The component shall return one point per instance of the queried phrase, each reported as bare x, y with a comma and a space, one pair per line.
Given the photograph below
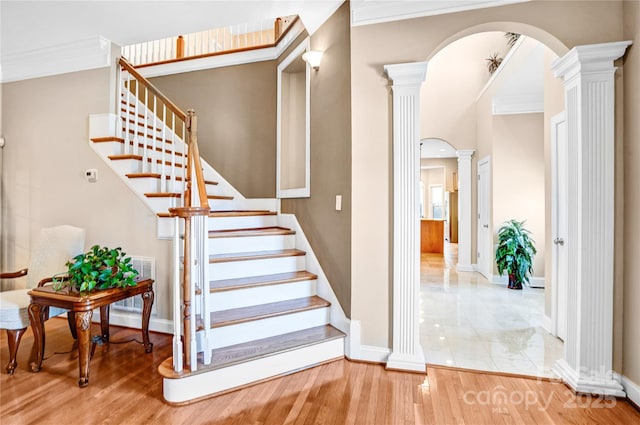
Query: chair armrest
12, 275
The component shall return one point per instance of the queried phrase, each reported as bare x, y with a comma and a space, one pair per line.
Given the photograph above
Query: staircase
260, 315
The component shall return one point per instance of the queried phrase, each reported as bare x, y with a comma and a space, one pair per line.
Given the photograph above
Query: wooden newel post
277, 28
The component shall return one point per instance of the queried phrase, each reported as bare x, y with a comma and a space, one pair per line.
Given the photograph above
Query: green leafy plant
515, 252
100, 268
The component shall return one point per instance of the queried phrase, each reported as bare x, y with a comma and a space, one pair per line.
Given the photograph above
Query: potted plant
100, 268
515, 253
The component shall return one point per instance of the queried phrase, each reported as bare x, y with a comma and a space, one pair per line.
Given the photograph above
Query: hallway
468, 322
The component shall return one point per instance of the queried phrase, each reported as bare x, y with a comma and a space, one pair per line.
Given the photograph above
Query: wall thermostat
91, 175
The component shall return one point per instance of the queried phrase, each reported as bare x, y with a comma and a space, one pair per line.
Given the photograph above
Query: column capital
590, 58
407, 74
465, 153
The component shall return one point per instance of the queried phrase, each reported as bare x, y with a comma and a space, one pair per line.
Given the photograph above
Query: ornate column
406, 352
464, 211
588, 74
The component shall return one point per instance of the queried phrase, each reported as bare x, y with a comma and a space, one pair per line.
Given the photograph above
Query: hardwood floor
125, 388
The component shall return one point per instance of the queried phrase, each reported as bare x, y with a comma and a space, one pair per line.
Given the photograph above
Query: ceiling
27, 26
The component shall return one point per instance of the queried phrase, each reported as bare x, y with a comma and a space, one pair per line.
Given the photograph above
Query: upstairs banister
153, 89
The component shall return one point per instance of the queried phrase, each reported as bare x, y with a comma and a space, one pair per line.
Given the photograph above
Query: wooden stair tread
255, 255
259, 231
264, 280
240, 213
261, 348
177, 195
139, 158
228, 213
264, 311
158, 176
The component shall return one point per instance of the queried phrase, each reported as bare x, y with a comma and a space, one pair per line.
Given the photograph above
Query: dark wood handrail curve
153, 89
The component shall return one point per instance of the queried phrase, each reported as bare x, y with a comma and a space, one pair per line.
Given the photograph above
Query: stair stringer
337, 317
108, 125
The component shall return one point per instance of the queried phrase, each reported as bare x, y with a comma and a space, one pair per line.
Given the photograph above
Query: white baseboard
134, 321
374, 354
632, 389
547, 325
465, 267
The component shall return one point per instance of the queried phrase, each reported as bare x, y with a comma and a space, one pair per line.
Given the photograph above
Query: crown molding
81, 55
367, 12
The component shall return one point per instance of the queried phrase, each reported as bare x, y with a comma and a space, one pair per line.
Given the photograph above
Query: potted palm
515, 253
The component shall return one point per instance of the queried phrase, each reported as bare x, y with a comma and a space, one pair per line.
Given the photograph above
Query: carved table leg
14, 336
147, 297
104, 322
37, 314
83, 327
71, 318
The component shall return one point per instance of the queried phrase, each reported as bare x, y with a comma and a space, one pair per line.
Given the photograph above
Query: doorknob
558, 241
486, 226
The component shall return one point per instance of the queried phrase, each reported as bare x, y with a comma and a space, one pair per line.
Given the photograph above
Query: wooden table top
84, 301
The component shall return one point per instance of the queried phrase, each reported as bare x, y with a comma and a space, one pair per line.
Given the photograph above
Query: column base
408, 362
602, 383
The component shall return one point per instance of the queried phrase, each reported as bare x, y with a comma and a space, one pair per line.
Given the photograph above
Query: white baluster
145, 140
119, 130
127, 107
134, 150
193, 355
154, 139
177, 302
173, 153
163, 172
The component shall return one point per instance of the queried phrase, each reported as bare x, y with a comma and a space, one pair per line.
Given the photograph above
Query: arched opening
583, 357
499, 115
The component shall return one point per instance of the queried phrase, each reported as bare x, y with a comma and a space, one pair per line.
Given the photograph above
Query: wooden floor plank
125, 388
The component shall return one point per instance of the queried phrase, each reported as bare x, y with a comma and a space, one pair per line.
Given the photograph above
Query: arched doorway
590, 275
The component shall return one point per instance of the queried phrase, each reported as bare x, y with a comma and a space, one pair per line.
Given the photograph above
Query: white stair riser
246, 222
236, 269
162, 204
265, 328
262, 294
125, 166
203, 384
108, 148
251, 243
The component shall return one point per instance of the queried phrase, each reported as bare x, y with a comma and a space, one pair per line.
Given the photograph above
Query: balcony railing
233, 38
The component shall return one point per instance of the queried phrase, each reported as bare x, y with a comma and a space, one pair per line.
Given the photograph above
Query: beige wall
432, 177
518, 178
558, 24
450, 166
631, 327
46, 124
329, 230
236, 107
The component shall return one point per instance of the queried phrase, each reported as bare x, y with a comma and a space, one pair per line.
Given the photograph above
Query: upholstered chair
54, 247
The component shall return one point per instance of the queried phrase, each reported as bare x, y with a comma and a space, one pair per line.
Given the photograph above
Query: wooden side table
81, 304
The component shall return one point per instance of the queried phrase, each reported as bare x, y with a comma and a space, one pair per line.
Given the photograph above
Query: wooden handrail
126, 65
192, 129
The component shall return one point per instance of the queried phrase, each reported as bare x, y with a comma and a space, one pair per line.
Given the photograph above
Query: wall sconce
313, 58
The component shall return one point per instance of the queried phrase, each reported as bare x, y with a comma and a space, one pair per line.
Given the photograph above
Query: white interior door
559, 221
485, 256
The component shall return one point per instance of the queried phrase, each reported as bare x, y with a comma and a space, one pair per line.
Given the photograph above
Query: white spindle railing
153, 111
208, 42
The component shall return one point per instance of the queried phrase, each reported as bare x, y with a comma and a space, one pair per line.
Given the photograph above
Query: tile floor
468, 322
